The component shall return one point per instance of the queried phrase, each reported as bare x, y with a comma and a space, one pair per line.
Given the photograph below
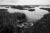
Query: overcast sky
25, 2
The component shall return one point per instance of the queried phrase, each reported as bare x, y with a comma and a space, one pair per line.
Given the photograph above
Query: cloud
26, 2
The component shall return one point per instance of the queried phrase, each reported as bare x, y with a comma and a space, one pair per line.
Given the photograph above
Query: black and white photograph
24, 16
